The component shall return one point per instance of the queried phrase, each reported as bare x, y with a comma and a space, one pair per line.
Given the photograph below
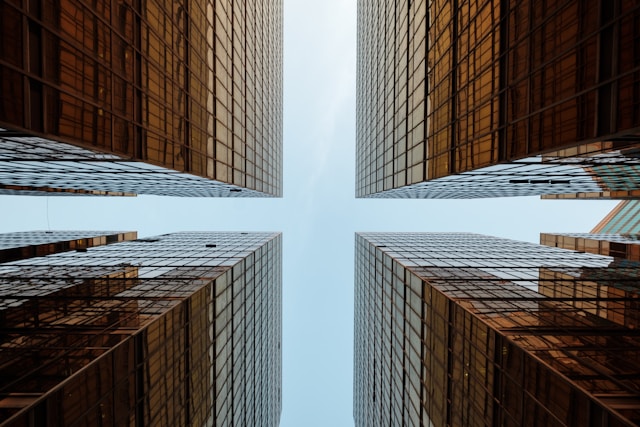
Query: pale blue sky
318, 214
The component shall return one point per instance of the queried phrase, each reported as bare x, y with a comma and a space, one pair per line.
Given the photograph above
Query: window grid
526, 332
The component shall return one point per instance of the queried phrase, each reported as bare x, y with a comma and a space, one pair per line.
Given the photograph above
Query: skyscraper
177, 329
469, 330
157, 97
623, 219
497, 98
617, 235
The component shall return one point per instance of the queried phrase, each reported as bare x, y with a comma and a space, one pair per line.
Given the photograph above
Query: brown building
497, 98
29, 244
173, 330
155, 97
457, 329
623, 219
617, 235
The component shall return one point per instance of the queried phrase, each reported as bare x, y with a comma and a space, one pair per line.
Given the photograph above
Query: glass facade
470, 330
25, 190
625, 246
463, 99
623, 219
617, 235
606, 194
29, 244
172, 330
616, 181
186, 91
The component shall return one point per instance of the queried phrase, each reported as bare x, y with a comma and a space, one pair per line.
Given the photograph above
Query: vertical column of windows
260, 92
365, 378
223, 84
251, 40
197, 87
240, 306
223, 340
400, 71
359, 339
13, 22
412, 344
441, 39
477, 70
238, 89
411, 163
268, 130
362, 46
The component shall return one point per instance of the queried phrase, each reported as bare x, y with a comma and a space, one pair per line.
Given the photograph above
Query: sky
318, 214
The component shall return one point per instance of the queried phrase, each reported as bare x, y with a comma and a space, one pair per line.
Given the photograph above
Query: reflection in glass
478, 330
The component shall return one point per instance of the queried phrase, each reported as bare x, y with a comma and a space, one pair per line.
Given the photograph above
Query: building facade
178, 329
157, 97
623, 219
497, 98
28, 244
625, 246
469, 330
617, 235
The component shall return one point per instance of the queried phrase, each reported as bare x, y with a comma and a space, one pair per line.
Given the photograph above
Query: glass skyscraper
468, 330
623, 219
161, 97
497, 98
173, 330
